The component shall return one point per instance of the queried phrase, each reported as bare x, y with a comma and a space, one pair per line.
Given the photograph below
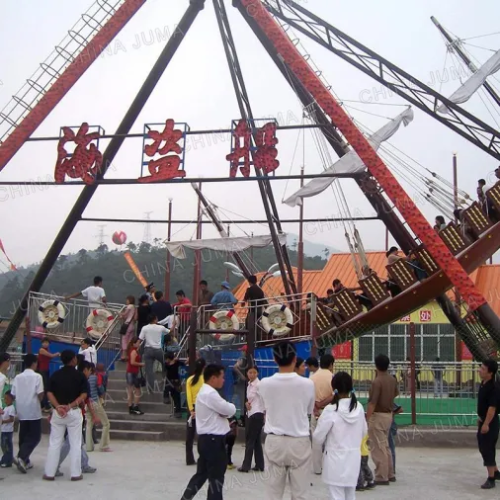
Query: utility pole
169, 259
455, 45
197, 253
300, 257
458, 298
147, 228
100, 235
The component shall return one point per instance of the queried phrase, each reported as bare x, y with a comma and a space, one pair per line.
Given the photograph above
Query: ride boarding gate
67, 323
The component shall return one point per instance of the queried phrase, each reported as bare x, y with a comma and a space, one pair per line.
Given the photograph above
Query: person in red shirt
134, 366
44, 358
183, 308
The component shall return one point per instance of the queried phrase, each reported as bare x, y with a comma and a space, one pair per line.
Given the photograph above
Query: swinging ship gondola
414, 294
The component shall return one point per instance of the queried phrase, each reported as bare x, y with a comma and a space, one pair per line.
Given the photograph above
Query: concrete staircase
157, 423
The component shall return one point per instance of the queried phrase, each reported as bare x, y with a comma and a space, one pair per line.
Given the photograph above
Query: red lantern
119, 237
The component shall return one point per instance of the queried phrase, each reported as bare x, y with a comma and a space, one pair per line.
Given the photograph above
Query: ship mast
455, 45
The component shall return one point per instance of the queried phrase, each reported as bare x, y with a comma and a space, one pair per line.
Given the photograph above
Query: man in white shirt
153, 336
212, 412
288, 400
94, 294
27, 388
88, 351
254, 423
4, 367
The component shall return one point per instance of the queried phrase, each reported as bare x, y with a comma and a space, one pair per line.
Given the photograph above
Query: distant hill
74, 272
311, 249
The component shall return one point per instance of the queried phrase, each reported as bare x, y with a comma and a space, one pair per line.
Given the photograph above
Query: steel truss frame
270, 207
462, 122
393, 223
388, 74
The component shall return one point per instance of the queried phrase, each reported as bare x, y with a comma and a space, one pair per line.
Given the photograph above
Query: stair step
119, 395
169, 433
147, 417
133, 435
146, 406
137, 425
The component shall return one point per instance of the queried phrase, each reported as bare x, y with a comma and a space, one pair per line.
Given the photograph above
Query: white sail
234, 244
351, 162
467, 90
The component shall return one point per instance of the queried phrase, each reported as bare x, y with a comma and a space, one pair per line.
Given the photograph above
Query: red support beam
68, 78
373, 162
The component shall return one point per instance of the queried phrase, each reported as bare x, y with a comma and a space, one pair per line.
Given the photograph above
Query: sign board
425, 316
342, 351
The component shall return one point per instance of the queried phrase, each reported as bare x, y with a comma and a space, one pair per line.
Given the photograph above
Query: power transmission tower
147, 229
100, 235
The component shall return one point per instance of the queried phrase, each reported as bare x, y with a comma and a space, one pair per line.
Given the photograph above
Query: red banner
342, 351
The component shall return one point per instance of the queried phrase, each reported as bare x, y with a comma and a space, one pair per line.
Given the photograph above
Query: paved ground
151, 471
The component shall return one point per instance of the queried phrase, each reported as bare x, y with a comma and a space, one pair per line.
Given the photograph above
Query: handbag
124, 328
141, 379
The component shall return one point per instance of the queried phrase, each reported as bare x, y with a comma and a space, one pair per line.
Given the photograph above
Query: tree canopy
74, 272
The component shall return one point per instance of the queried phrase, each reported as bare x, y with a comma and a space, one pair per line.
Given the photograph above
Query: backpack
101, 384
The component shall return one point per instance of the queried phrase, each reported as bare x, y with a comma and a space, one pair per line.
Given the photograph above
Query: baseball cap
226, 285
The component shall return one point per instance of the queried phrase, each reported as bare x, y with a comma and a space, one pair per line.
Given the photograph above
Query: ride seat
453, 238
323, 321
426, 261
374, 289
476, 220
347, 304
401, 273
493, 194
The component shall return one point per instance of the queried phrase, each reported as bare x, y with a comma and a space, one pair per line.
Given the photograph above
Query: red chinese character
168, 166
240, 150
86, 160
265, 156
425, 316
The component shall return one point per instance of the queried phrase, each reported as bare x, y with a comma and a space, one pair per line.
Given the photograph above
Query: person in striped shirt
99, 412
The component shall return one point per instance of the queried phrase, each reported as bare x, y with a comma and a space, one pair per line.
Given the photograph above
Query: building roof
340, 266
273, 287
488, 282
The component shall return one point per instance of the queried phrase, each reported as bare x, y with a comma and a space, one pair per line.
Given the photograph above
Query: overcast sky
197, 89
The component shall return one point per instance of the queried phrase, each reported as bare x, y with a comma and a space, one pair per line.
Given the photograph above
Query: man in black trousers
212, 412
487, 412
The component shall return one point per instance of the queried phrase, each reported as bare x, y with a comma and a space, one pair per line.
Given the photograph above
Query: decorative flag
12, 266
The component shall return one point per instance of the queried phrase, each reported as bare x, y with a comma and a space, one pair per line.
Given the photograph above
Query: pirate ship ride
447, 258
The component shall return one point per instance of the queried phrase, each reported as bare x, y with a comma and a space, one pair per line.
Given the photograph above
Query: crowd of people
310, 415
308, 421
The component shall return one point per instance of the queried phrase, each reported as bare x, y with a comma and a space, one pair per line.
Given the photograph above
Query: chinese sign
425, 316
85, 161
405, 319
264, 153
164, 152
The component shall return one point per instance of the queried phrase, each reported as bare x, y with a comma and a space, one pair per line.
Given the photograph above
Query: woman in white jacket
340, 429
